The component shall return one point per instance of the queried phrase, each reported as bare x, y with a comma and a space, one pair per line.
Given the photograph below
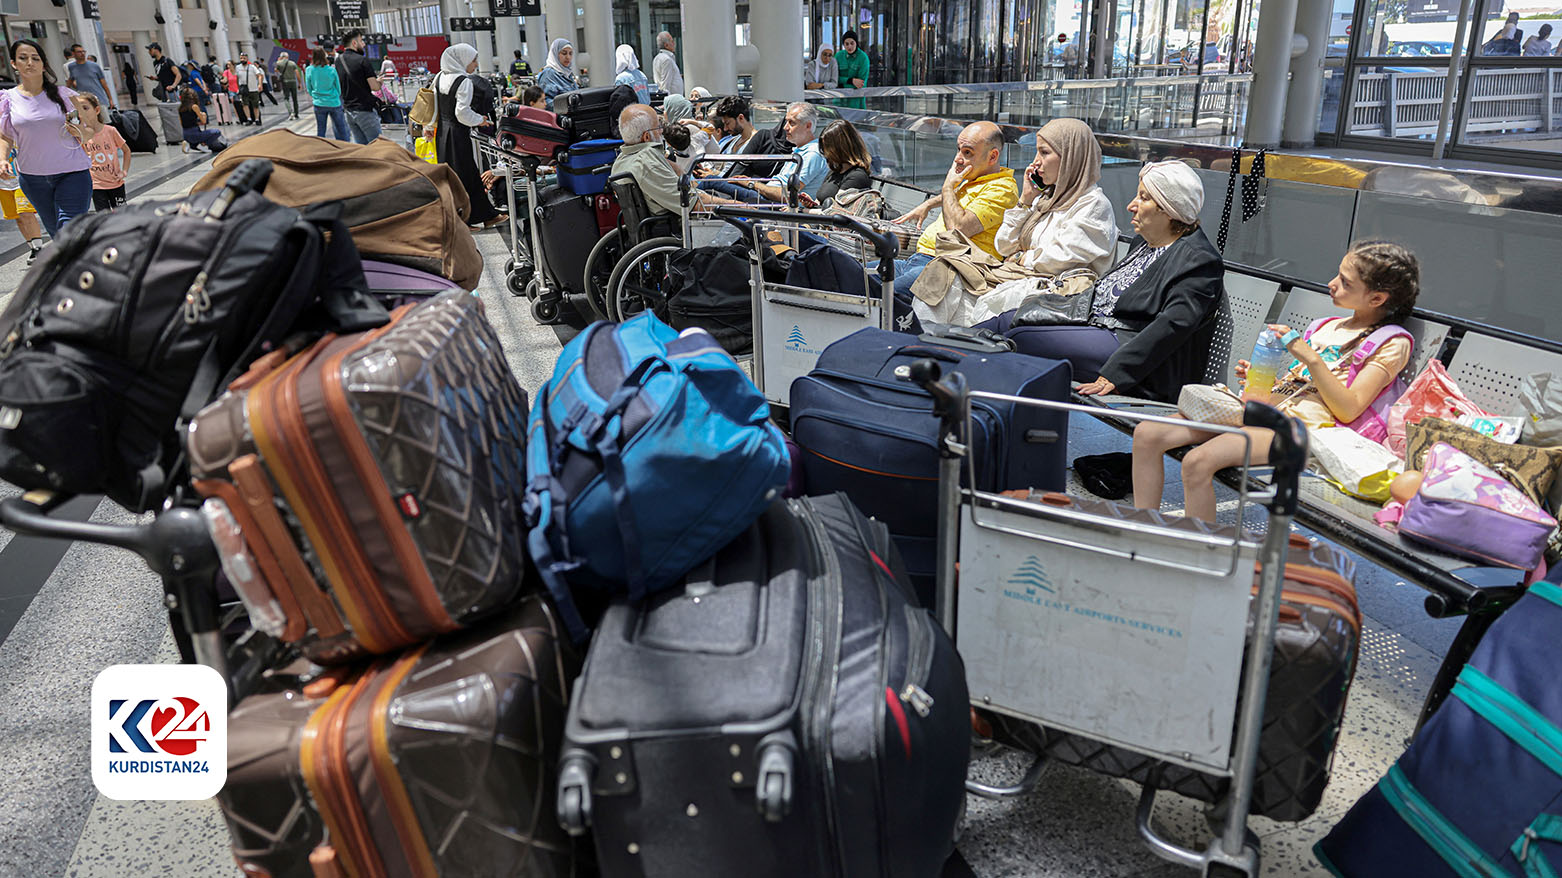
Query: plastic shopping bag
1433, 394
1355, 464
1541, 396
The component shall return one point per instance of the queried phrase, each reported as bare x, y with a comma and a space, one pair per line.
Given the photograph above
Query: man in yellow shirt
976, 192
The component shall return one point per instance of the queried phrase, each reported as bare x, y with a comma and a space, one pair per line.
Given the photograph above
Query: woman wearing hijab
453, 146
558, 76
1154, 314
1062, 224
630, 74
822, 71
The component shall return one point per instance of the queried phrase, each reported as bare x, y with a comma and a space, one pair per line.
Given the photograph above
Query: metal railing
1406, 104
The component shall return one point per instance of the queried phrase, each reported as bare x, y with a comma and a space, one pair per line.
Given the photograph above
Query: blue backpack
1479, 792
647, 452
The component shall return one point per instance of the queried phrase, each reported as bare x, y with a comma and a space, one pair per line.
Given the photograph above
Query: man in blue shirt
802, 129
85, 76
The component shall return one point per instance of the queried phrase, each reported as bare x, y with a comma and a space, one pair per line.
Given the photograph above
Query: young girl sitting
1344, 373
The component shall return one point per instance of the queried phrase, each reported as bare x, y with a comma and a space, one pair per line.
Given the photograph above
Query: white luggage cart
792, 325
1117, 630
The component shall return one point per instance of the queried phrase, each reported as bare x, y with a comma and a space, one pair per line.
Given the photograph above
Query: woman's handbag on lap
1065, 300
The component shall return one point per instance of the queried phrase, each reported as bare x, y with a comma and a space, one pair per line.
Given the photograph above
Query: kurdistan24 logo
173, 726
159, 732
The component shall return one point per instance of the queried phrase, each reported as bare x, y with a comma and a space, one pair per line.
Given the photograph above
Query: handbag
1532, 469
1468, 509
1433, 394
1210, 404
423, 107
1064, 300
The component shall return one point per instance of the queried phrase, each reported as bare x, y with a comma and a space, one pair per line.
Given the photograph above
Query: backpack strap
1317, 325
1379, 337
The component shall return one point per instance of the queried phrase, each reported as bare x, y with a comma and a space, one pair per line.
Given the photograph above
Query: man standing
85, 76
358, 87
250, 79
132, 82
664, 67
976, 192
518, 68
165, 74
289, 77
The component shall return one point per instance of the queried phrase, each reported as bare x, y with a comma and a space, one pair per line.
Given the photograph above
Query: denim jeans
204, 137
729, 189
908, 270
364, 124
59, 198
338, 118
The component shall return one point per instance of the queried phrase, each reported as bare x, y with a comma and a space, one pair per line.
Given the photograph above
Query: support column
507, 34
482, 40
599, 41
647, 48
780, 24
1271, 67
55, 42
709, 44
536, 42
561, 23
298, 24
239, 29
173, 31
1300, 127
265, 19
217, 10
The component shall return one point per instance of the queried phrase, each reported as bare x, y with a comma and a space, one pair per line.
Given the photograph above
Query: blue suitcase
864, 428
1479, 792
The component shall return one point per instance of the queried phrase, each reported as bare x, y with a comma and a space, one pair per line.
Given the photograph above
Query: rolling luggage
866, 429
789, 711
584, 167
1477, 793
438, 763
397, 285
532, 131
567, 227
168, 116
397, 458
587, 113
134, 128
1316, 646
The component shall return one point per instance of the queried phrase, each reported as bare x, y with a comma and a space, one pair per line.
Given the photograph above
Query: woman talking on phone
38, 121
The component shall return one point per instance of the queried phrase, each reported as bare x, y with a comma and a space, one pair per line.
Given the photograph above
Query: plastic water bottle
1269, 357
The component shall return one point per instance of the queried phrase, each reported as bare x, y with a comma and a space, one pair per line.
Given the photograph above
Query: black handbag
1065, 300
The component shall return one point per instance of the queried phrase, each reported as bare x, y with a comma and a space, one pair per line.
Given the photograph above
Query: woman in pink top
37, 119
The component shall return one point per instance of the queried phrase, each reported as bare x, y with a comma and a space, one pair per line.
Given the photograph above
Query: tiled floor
101, 607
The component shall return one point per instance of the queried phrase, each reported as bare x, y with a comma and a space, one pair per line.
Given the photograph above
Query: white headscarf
455, 58
627, 60
699, 93
818, 71
553, 57
1175, 187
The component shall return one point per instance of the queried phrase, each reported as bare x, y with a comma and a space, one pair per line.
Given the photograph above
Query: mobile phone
1035, 177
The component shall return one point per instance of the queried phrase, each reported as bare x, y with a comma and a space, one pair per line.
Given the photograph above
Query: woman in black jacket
847, 155
1154, 313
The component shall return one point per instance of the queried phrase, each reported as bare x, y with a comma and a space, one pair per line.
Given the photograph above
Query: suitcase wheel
574, 804
773, 789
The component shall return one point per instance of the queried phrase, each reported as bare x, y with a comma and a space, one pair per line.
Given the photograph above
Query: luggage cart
1121, 631
792, 325
539, 286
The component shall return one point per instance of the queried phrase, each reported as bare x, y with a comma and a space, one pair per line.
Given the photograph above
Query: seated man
644, 158
802, 130
976, 193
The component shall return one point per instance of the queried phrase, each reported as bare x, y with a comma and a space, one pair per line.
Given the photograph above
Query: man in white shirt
664, 67
250, 82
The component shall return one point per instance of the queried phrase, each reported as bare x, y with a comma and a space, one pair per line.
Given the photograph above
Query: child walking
108, 152
1344, 374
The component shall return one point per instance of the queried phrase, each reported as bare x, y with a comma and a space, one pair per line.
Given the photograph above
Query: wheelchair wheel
599, 271
640, 278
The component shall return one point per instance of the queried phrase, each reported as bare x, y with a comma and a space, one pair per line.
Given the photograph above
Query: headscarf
554, 49
1175, 187
676, 108
699, 93
627, 60
455, 58
1079, 169
818, 71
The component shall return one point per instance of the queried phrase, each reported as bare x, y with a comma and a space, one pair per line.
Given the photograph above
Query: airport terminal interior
991, 259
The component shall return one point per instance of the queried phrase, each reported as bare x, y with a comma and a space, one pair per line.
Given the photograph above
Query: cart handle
885, 246
1287, 452
687, 180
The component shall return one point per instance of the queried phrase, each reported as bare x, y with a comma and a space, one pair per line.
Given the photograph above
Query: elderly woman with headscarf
1153, 316
630, 74
822, 71
558, 76
453, 91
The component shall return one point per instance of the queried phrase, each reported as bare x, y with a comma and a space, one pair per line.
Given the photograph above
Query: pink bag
1432, 395
1466, 509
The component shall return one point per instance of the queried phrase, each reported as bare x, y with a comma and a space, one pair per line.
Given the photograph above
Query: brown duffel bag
441, 762
400, 208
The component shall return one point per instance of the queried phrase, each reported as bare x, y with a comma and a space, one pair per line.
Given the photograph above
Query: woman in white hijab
1153, 316
453, 145
558, 76
630, 74
823, 71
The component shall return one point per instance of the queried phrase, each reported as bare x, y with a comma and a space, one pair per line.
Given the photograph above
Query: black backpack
134, 319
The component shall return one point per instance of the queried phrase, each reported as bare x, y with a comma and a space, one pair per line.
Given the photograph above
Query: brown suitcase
1316, 645
441, 762
388, 466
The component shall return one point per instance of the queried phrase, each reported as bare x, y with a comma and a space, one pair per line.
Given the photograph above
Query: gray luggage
168, 112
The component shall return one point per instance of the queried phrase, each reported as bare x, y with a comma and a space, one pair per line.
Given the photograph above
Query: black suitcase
788, 712
589, 112
134, 128
865, 428
567, 227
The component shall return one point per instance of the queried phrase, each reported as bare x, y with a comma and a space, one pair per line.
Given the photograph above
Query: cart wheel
545, 312
509, 265
533, 288
640, 278
599, 271
517, 284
